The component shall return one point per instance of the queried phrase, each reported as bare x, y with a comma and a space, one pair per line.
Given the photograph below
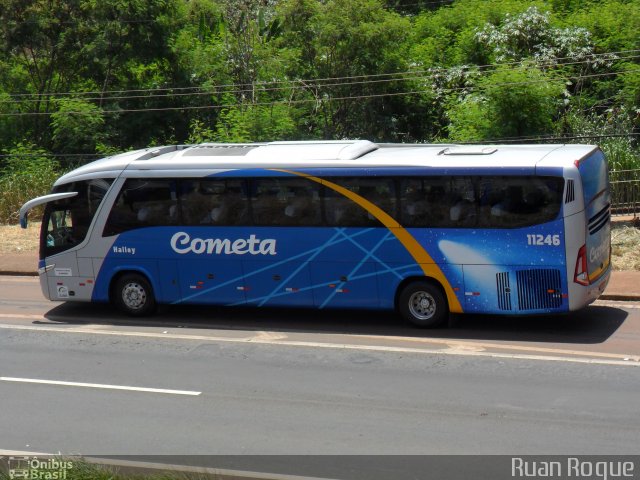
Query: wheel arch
417, 278
121, 272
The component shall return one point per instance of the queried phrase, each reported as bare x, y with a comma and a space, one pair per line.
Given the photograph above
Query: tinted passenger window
214, 202
510, 202
344, 212
286, 201
143, 203
488, 202
438, 202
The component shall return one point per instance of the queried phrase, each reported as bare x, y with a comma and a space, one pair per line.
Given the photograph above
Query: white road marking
19, 278
22, 453
453, 347
22, 315
99, 385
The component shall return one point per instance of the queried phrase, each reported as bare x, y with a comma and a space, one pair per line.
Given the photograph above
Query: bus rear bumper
597, 288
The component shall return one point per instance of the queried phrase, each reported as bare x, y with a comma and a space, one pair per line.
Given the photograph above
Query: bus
426, 230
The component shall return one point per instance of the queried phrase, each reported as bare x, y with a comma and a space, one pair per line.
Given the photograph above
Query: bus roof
330, 154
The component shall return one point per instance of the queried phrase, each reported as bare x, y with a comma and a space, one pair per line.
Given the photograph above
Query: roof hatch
468, 150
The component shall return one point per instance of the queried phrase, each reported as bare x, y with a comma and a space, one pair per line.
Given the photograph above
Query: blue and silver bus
427, 230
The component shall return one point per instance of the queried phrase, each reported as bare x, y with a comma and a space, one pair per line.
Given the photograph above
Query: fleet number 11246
537, 239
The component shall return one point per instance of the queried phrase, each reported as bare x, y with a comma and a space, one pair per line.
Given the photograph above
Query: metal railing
625, 192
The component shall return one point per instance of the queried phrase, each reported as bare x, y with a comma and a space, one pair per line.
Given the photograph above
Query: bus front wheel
423, 304
133, 295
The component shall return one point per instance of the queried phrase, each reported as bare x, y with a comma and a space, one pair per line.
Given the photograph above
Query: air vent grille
539, 289
504, 291
571, 193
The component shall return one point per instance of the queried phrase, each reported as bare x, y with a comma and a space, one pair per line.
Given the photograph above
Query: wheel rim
134, 296
422, 305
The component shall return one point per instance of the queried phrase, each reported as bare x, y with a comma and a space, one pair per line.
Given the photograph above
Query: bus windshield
66, 221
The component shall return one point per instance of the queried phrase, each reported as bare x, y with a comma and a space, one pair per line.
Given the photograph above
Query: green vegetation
84, 78
79, 469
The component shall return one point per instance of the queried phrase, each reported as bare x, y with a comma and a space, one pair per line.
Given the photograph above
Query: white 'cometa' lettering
182, 243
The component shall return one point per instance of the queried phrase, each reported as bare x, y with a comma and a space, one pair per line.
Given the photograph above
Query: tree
353, 57
77, 126
509, 103
255, 123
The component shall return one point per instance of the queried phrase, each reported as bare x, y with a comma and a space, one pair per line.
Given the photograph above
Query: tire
423, 304
133, 295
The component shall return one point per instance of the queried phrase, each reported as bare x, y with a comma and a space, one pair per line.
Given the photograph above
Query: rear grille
504, 291
571, 193
599, 220
539, 289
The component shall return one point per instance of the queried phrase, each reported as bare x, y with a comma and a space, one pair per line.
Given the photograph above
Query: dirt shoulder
18, 240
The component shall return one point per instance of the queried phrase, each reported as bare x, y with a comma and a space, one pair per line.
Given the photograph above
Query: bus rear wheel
423, 304
133, 295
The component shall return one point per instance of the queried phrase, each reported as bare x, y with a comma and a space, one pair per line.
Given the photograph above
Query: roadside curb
13, 273
619, 297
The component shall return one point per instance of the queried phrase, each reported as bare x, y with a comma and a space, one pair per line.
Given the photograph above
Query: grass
625, 242
14, 239
78, 469
625, 246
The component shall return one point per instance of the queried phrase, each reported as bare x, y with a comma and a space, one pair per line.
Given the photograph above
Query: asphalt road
80, 379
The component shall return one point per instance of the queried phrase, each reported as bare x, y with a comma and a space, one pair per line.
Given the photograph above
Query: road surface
81, 379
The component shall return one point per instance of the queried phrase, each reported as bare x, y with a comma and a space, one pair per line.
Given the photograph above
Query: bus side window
302, 203
515, 202
286, 201
343, 212
194, 202
143, 203
219, 202
424, 202
462, 201
268, 201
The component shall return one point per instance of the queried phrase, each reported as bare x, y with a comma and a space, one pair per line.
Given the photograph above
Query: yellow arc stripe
417, 251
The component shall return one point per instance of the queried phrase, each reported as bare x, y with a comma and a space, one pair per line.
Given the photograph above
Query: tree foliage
509, 103
89, 76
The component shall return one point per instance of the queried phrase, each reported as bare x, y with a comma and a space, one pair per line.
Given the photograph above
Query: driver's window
67, 228
66, 222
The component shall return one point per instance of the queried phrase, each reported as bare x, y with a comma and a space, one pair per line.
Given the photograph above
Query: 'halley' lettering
130, 250
182, 243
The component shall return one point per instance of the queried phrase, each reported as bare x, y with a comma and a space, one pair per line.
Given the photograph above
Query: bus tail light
581, 275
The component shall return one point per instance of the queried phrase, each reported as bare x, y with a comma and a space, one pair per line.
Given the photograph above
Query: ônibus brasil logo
182, 243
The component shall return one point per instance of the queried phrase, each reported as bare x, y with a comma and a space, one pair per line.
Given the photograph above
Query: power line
320, 82
314, 100
293, 85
